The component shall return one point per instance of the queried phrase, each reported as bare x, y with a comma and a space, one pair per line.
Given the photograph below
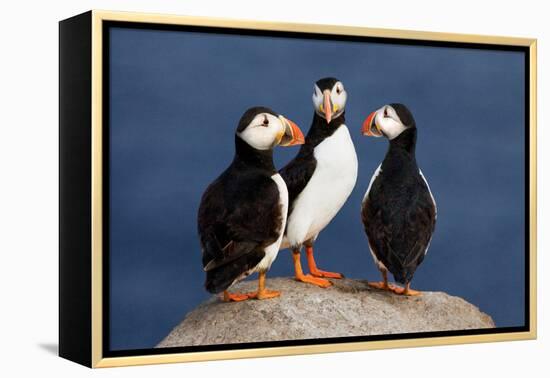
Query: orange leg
313, 266
383, 285
262, 292
407, 291
300, 276
234, 297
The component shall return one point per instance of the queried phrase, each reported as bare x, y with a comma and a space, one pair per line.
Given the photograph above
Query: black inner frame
107, 25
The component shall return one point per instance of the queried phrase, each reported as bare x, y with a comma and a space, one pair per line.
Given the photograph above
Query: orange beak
369, 126
292, 134
327, 106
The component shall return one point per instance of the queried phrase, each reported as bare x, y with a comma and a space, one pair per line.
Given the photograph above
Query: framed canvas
188, 234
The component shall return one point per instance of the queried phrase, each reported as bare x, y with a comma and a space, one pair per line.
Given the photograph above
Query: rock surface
348, 308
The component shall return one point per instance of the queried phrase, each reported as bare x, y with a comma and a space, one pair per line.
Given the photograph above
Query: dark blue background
176, 98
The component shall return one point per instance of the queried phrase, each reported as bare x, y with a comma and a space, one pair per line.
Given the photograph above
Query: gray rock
348, 308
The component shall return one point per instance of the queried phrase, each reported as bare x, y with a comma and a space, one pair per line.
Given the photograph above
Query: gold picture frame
93, 353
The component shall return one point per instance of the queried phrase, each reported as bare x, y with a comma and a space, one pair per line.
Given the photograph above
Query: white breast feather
435, 206
272, 250
378, 263
374, 176
327, 190
429, 190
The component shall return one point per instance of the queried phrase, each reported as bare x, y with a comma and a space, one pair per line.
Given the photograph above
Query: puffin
242, 214
398, 209
320, 178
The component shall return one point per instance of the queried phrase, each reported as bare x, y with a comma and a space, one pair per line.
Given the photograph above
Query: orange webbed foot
324, 274
316, 272
234, 297
407, 291
308, 278
382, 286
264, 294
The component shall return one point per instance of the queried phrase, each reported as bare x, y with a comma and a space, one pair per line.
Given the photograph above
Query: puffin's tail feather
403, 276
400, 277
221, 277
401, 265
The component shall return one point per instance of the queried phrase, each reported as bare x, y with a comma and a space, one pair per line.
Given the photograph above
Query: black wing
297, 173
399, 225
299, 170
238, 217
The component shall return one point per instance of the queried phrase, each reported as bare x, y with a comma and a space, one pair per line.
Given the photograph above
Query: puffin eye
338, 89
265, 122
386, 113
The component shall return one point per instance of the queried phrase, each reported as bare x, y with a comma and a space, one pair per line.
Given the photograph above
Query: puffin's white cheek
340, 100
317, 101
261, 138
390, 127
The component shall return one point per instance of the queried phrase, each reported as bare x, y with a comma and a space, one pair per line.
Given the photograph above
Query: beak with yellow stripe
370, 127
290, 135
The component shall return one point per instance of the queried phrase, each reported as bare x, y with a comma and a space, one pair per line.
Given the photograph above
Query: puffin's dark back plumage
232, 234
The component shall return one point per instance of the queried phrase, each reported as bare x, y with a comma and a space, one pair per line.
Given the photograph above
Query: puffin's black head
263, 129
389, 121
329, 98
